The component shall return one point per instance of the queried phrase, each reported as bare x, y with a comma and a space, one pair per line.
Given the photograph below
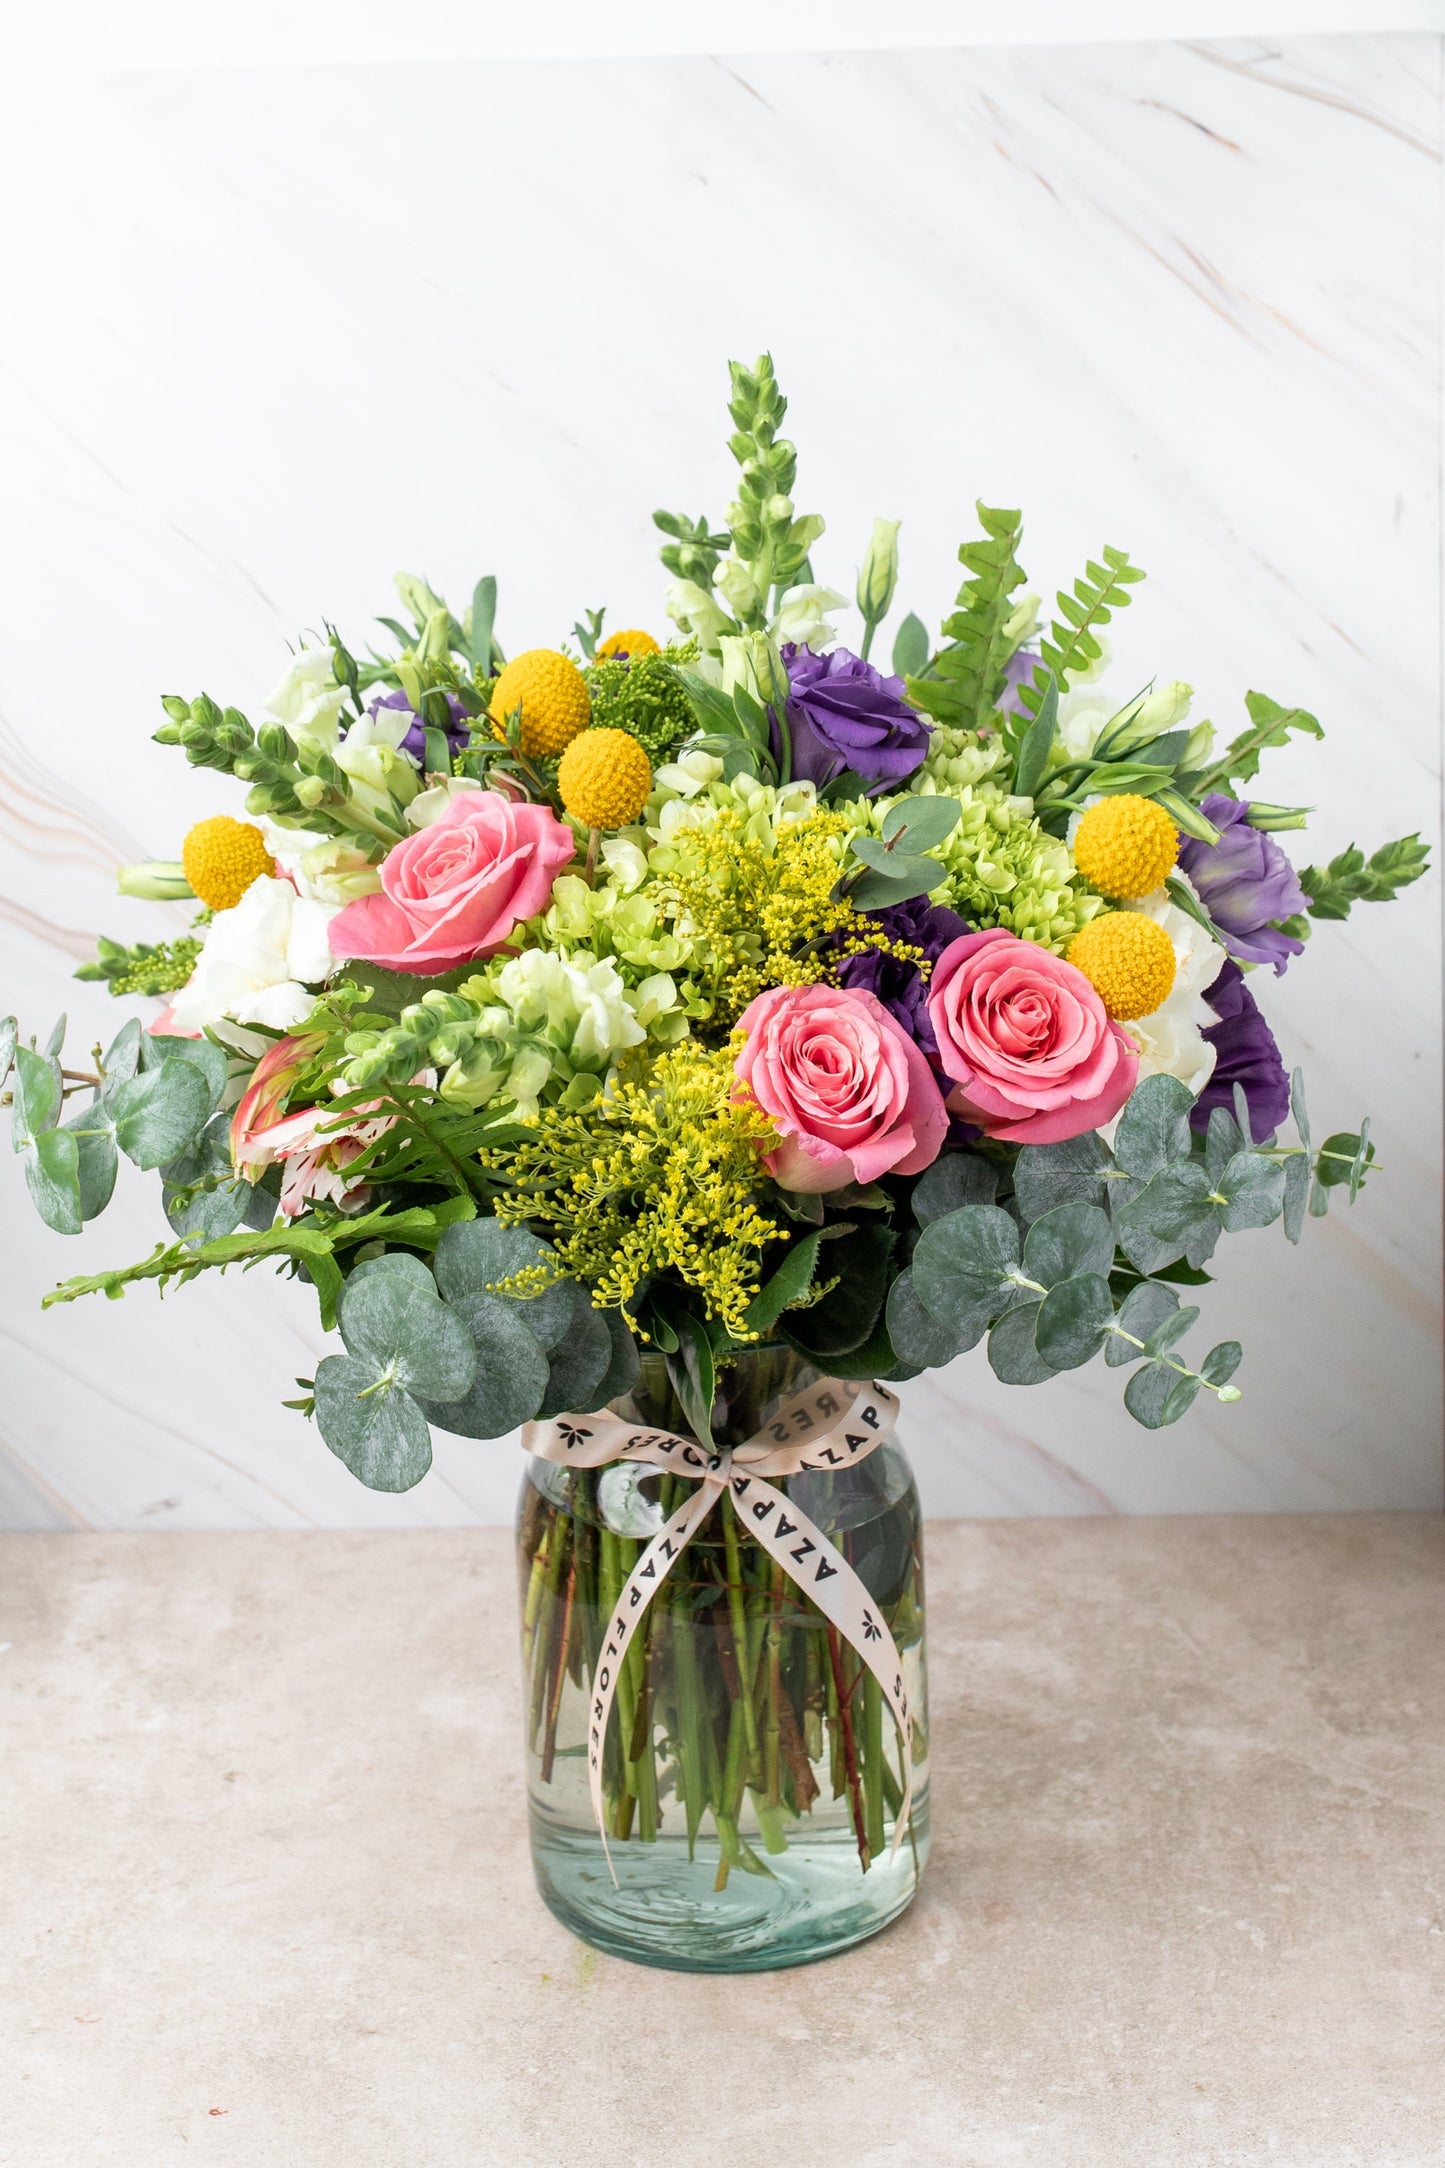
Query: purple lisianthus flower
1244, 1053
458, 725
896, 980
844, 714
1244, 882
1018, 671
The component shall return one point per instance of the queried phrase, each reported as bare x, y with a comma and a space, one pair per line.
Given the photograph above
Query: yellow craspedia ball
222, 857
1126, 845
553, 696
604, 778
630, 644
1128, 959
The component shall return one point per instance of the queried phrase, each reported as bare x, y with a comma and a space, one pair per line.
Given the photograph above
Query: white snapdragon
801, 617
260, 961
308, 699
737, 587
692, 608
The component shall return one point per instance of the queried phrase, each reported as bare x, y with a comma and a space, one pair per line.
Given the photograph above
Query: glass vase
751, 1766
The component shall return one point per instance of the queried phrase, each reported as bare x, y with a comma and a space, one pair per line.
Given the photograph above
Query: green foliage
1071, 644
966, 677
897, 861
403, 1343
910, 647
1270, 727
1350, 878
694, 550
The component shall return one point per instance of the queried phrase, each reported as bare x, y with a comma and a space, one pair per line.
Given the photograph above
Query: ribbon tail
642, 1584
824, 1574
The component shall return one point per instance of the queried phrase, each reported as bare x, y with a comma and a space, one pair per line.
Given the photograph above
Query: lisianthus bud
418, 597
159, 880
878, 573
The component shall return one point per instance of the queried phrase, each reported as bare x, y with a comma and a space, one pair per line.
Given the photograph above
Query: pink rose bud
845, 1087
1025, 1040
454, 891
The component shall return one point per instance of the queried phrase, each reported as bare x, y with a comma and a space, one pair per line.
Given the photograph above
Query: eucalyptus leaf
1222, 1139
223, 1203
965, 1266
952, 1181
377, 1430
625, 1368
9, 1033
36, 1097
876, 891
202, 1054
1069, 1240
1072, 1318
1143, 1311
404, 1264
580, 1359
1074, 1172
1254, 1188
56, 1041
1171, 1330
52, 1175
1013, 1354
407, 1332
97, 1159
920, 823
511, 1374
1154, 1131
159, 1111
1186, 1391
122, 1057
916, 1334
477, 1256
1147, 1394
1297, 1107
1171, 1216
1296, 1194
1220, 1364
694, 1373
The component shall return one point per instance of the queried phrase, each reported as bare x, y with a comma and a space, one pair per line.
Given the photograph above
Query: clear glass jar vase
751, 1767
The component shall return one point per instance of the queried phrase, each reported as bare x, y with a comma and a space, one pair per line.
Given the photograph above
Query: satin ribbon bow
830, 1425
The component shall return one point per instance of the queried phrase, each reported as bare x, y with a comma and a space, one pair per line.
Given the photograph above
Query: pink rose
1026, 1041
842, 1083
455, 890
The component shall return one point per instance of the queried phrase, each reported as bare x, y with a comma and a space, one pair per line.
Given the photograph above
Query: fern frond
966, 677
1072, 643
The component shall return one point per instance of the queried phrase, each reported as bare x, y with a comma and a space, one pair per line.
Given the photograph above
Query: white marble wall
271, 335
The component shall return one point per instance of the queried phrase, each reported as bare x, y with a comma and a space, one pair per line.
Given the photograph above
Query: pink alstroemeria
315, 1145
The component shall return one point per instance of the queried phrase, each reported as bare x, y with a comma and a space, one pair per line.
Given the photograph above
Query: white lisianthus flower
308, 699
800, 616
1169, 1040
260, 962
430, 804
692, 608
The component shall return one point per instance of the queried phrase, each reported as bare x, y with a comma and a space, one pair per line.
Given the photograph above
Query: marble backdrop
273, 335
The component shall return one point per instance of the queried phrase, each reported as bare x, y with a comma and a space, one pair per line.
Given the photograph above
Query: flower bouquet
667, 1047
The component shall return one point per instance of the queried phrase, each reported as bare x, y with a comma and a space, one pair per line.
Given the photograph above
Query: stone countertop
267, 1900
